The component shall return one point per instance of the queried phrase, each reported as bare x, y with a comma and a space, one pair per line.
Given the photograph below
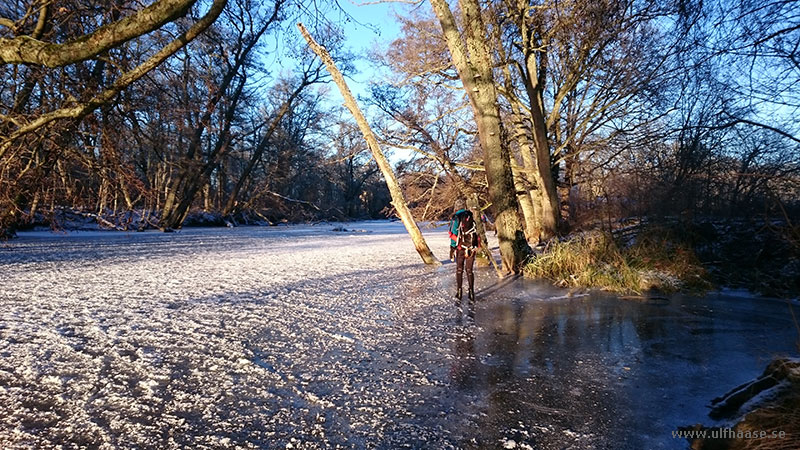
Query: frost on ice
310, 337
214, 338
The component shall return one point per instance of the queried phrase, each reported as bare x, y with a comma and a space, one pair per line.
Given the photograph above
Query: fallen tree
398, 200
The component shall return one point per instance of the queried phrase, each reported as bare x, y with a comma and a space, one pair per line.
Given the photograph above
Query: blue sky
365, 25
368, 25
372, 24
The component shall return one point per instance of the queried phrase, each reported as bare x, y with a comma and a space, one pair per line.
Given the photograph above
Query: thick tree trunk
548, 194
398, 201
526, 206
475, 71
530, 200
534, 81
537, 209
526, 178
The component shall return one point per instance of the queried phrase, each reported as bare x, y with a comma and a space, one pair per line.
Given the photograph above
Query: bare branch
82, 109
29, 50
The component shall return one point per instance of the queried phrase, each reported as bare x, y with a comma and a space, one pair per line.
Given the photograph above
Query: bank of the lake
656, 258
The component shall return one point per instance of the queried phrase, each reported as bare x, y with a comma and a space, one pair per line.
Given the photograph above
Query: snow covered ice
214, 338
305, 337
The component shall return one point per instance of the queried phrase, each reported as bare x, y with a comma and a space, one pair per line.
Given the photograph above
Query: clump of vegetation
654, 260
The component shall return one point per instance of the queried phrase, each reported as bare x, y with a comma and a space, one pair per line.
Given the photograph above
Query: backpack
467, 232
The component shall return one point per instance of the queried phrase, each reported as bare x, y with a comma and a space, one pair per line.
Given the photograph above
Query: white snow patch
215, 338
509, 443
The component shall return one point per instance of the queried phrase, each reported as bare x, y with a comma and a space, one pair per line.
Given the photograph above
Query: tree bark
548, 195
526, 206
534, 85
398, 201
522, 179
527, 198
474, 65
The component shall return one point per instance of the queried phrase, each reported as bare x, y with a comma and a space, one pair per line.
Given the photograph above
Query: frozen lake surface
306, 337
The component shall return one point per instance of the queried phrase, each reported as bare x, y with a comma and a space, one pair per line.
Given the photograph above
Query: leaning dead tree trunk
398, 201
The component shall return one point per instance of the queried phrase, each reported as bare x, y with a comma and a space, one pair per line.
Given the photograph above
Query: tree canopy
554, 115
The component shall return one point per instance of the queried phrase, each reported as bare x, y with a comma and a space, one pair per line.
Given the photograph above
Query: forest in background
559, 116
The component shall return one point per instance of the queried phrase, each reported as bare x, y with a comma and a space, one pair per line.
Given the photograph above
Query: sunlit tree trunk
474, 65
548, 195
526, 206
523, 179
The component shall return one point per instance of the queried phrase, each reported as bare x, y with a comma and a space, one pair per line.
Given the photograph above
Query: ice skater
464, 244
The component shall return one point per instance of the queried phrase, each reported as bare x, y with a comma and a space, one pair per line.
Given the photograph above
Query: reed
656, 260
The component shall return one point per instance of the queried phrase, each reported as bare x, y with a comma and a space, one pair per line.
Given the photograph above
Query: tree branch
80, 110
29, 50
736, 120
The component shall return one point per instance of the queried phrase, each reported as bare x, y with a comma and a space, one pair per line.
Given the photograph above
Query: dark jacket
455, 222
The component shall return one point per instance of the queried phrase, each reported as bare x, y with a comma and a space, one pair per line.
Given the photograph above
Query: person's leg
469, 262
459, 272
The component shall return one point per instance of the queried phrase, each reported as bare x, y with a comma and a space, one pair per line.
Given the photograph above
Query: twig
293, 200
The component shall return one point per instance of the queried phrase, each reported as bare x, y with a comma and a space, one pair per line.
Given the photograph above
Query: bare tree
473, 61
37, 98
310, 75
196, 167
85, 47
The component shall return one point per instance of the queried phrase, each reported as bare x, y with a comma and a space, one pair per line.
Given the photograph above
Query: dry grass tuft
782, 416
656, 261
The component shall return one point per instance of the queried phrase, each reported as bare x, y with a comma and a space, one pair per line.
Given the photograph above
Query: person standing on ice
464, 244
